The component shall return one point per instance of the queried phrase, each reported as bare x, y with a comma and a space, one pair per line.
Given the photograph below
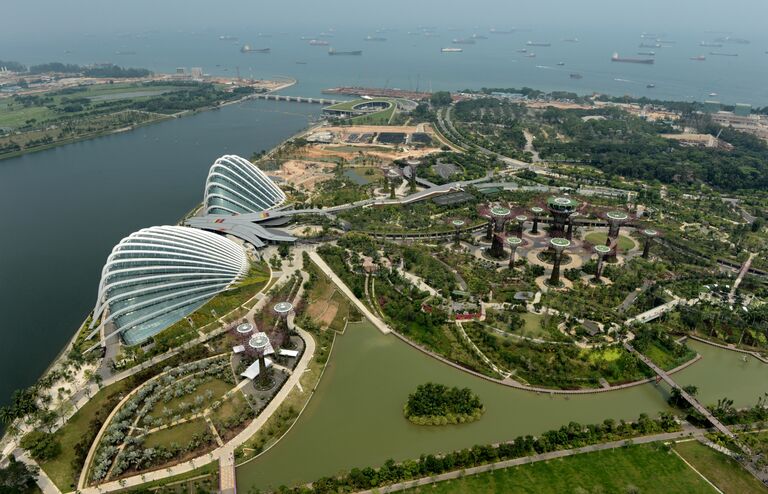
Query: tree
17, 477
441, 98
41, 445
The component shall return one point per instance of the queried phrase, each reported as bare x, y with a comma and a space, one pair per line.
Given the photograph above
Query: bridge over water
690, 399
296, 99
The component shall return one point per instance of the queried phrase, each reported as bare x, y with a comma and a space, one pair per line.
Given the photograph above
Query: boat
300, 63
531, 55
617, 58
710, 44
729, 39
318, 42
250, 49
560, 63
375, 38
647, 53
700, 58
522, 50
723, 54
712, 94
648, 36
650, 86
465, 41
576, 76
333, 51
451, 50
538, 43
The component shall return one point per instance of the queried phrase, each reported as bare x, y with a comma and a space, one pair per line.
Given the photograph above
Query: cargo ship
250, 49
571, 40
700, 58
617, 58
375, 38
647, 45
502, 31
538, 43
466, 41
318, 42
451, 50
647, 53
333, 51
226, 37
710, 44
738, 41
479, 36
722, 54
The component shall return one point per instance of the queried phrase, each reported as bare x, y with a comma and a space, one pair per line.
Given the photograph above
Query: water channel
355, 418
65, 208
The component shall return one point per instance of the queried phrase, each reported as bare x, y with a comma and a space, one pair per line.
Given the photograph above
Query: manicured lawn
180, 434
60, 469
637, 469
722, 471
532, 326
598, 238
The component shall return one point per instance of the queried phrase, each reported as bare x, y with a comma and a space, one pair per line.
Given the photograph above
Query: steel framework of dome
236, 186
159, 275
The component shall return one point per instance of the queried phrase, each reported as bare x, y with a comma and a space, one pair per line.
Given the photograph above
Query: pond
356, 420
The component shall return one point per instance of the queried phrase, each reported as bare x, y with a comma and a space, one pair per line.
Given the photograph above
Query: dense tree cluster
437, 404
621, 144
17, 477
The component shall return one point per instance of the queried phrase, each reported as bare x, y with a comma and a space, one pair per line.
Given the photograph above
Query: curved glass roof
237, 186
157, 276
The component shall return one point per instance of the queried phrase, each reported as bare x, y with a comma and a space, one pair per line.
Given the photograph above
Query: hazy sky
38, 17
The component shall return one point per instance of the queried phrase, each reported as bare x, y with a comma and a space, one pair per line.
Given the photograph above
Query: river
355, 418
65, 208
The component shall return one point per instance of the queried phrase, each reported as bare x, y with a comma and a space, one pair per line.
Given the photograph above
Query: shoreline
160, 118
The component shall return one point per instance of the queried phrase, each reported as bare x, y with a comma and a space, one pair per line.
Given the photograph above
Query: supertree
559, 244
601, 251
514, 243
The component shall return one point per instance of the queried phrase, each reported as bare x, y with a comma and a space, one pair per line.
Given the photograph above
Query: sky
20, 18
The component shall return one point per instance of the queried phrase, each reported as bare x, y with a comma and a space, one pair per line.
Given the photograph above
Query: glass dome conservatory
236, 186
159, 275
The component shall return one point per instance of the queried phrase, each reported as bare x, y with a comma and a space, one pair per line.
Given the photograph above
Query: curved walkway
222, 454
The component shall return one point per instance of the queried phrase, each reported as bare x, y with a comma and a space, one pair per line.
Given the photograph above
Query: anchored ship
451, 50
721, 54
250, 49
318, 42
538, 43
332, 51
375, 38
466, 41
700, 58
617, 58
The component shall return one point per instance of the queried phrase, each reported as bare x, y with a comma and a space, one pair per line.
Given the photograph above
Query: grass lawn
218, 387
722, 471
599, 238
378, 118
60, 468
180, 434
532, 326
229, 408
636, 469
